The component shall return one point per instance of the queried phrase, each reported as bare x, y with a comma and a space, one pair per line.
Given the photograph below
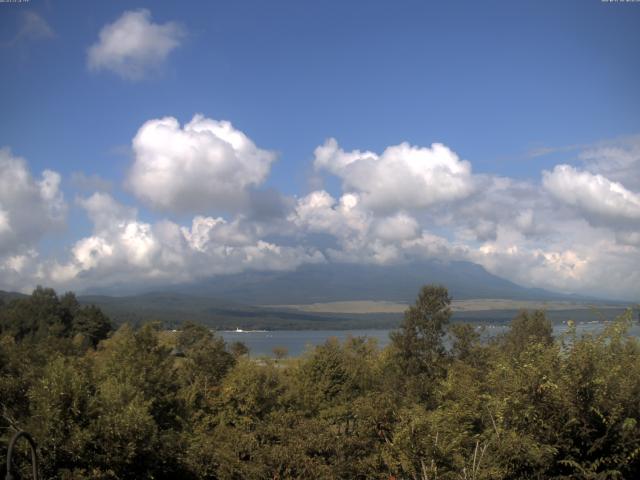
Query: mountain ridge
314, 283
263, 299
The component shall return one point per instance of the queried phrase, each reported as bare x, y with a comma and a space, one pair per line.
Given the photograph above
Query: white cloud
429, 245
319, 212
20, 272
617, 160
576, 230
513, 228
105, 212
208, 231
89, 252
29, 207
125, 250
361, 235
133, 45
498, 202
402, 177
597, 197
586, 261
5, 227
206, 166
397, 228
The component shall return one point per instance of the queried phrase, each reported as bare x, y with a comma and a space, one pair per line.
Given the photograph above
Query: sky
154, 143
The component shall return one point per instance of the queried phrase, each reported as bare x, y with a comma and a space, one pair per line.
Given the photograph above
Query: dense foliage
146, 403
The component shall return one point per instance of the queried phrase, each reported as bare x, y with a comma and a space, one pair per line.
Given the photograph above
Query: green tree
466, 341
526, 329
92, 323
38, 316
418, 347
323, 378
599, 387
43, 315
206, 361
63, 407
140, 408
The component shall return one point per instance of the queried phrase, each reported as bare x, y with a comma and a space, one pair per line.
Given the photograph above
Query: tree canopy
145, 402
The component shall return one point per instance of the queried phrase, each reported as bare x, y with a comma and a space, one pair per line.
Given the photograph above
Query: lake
261, 343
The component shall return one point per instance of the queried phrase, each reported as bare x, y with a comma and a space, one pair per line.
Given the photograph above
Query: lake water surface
261, 343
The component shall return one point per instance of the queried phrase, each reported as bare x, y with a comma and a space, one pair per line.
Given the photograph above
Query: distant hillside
8, 296
259, 299
172, 309
345, 282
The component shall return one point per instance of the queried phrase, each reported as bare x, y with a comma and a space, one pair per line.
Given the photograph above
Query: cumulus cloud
29, 207
321, 213
207, 165
576, 229
514, 228
617, 160
124, 250
498, 202
585, 260
133, 45
596, 196
403, 176
360, 234
105, 212
397, 228
209, 232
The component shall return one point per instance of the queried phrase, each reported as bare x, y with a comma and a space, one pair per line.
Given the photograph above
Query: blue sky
496, 82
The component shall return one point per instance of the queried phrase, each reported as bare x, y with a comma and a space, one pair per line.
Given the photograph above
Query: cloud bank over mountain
574, 229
